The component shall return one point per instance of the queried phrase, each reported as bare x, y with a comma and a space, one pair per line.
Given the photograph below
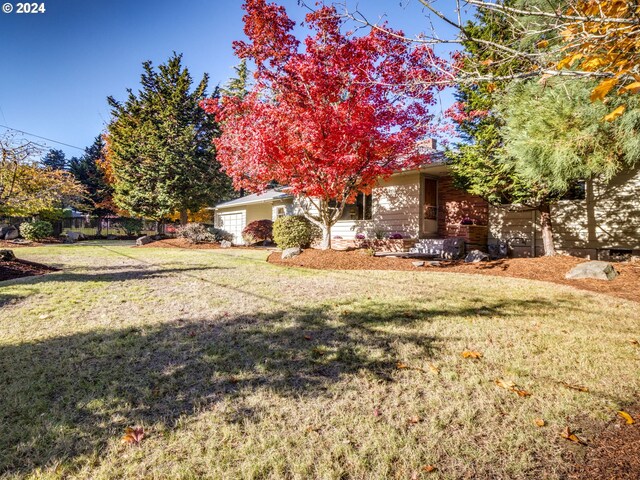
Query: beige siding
396, 205
609, 218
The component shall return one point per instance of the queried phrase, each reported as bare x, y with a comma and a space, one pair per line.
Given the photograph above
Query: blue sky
58, 67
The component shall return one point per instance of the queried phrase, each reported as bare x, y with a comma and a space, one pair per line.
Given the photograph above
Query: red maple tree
328, 118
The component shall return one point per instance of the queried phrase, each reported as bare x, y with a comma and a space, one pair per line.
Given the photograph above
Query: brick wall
456, 205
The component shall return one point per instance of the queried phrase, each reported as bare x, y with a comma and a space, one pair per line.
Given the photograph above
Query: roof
266, 196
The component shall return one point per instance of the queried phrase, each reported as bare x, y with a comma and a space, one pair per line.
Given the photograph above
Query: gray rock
476, 256
3, 229
7, 255
72, 237
12, 233
144, 240
291, 252
498, 250
453, 248
111, 237
418, 264
434, 263
226, 244
594, 269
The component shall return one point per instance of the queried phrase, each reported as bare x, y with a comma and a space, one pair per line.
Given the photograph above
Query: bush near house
294, 231
220, 235
36, 230
195, 233
258, 231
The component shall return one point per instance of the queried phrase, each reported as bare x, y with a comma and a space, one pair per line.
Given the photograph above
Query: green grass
240, 369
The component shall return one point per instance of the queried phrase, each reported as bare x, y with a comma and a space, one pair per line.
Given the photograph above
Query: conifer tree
160, 150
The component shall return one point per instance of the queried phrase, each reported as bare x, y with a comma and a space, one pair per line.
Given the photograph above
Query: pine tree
160, 146
55, 160
238, 86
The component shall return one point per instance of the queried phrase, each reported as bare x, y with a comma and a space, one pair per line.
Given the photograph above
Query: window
363, 206
577, 191
281, 212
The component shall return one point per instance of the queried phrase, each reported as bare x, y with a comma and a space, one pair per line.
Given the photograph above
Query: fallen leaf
314, 429
43, 316
192, 334
413, 420
401, 366
627, 417
522, 393
634, 342
539, 422
569, 435
505, 385
579, 388
133, 435
632, 88
428, 468
610, 117
376, 412
434, 369
471, 354
307, 337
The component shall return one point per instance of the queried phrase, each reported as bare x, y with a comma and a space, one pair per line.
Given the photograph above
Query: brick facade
456, 205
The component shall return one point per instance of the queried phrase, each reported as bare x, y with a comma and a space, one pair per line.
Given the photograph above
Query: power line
43, 138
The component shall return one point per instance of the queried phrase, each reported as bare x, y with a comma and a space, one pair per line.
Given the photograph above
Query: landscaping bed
21, 268
180, 243
548, 269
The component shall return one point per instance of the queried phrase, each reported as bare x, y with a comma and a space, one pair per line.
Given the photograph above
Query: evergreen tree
238, 86
55, 160
160, 146
88, 172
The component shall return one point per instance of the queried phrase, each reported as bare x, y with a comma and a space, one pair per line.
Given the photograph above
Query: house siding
608, 218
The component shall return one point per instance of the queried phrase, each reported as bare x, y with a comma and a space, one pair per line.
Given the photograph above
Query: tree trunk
99, 226
326, 237
547, 230
184, 217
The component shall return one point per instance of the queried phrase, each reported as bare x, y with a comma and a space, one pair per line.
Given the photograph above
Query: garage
234, 223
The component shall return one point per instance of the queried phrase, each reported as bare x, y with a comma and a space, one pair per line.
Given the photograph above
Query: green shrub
131, 226
36, 230
220, 235
294, 231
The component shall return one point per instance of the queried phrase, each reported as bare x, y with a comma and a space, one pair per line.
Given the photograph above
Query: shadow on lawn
67, 396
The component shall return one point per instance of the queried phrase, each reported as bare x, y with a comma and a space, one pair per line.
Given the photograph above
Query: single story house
602, 220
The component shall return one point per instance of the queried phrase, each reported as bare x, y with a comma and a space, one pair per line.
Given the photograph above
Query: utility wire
43, 138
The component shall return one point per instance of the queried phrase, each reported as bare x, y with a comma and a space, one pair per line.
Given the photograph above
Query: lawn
237, 368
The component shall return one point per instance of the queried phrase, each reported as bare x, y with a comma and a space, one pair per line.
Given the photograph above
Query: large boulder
476, 256
11, 233
144, 240
453, 248
73, 237
594, 269
291, 252
226, 244
7, 255
4, 228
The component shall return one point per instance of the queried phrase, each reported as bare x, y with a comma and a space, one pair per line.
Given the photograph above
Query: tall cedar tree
327, 120
479, 164
89, 173
161, 155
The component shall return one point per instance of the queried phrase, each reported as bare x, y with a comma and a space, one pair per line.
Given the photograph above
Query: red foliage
258, 231
328, 119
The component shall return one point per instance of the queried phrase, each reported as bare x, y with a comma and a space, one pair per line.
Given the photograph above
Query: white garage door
234, 223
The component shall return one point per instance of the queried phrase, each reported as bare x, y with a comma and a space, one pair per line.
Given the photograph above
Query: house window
577, 191
281, 212
363, 206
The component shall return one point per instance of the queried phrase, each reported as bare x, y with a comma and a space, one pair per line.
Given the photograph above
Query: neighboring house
423, 203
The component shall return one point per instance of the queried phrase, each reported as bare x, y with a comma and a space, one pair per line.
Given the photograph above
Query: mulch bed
548, 269
9, 244
614, 454
21, 268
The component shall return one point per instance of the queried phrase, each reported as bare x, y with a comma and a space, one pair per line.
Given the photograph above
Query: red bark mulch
614, 454
180, 243
21, 268
548, 269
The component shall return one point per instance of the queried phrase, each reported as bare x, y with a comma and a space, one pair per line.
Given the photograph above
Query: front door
430, 207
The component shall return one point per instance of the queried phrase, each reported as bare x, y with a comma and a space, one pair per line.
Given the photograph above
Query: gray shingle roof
266, 196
